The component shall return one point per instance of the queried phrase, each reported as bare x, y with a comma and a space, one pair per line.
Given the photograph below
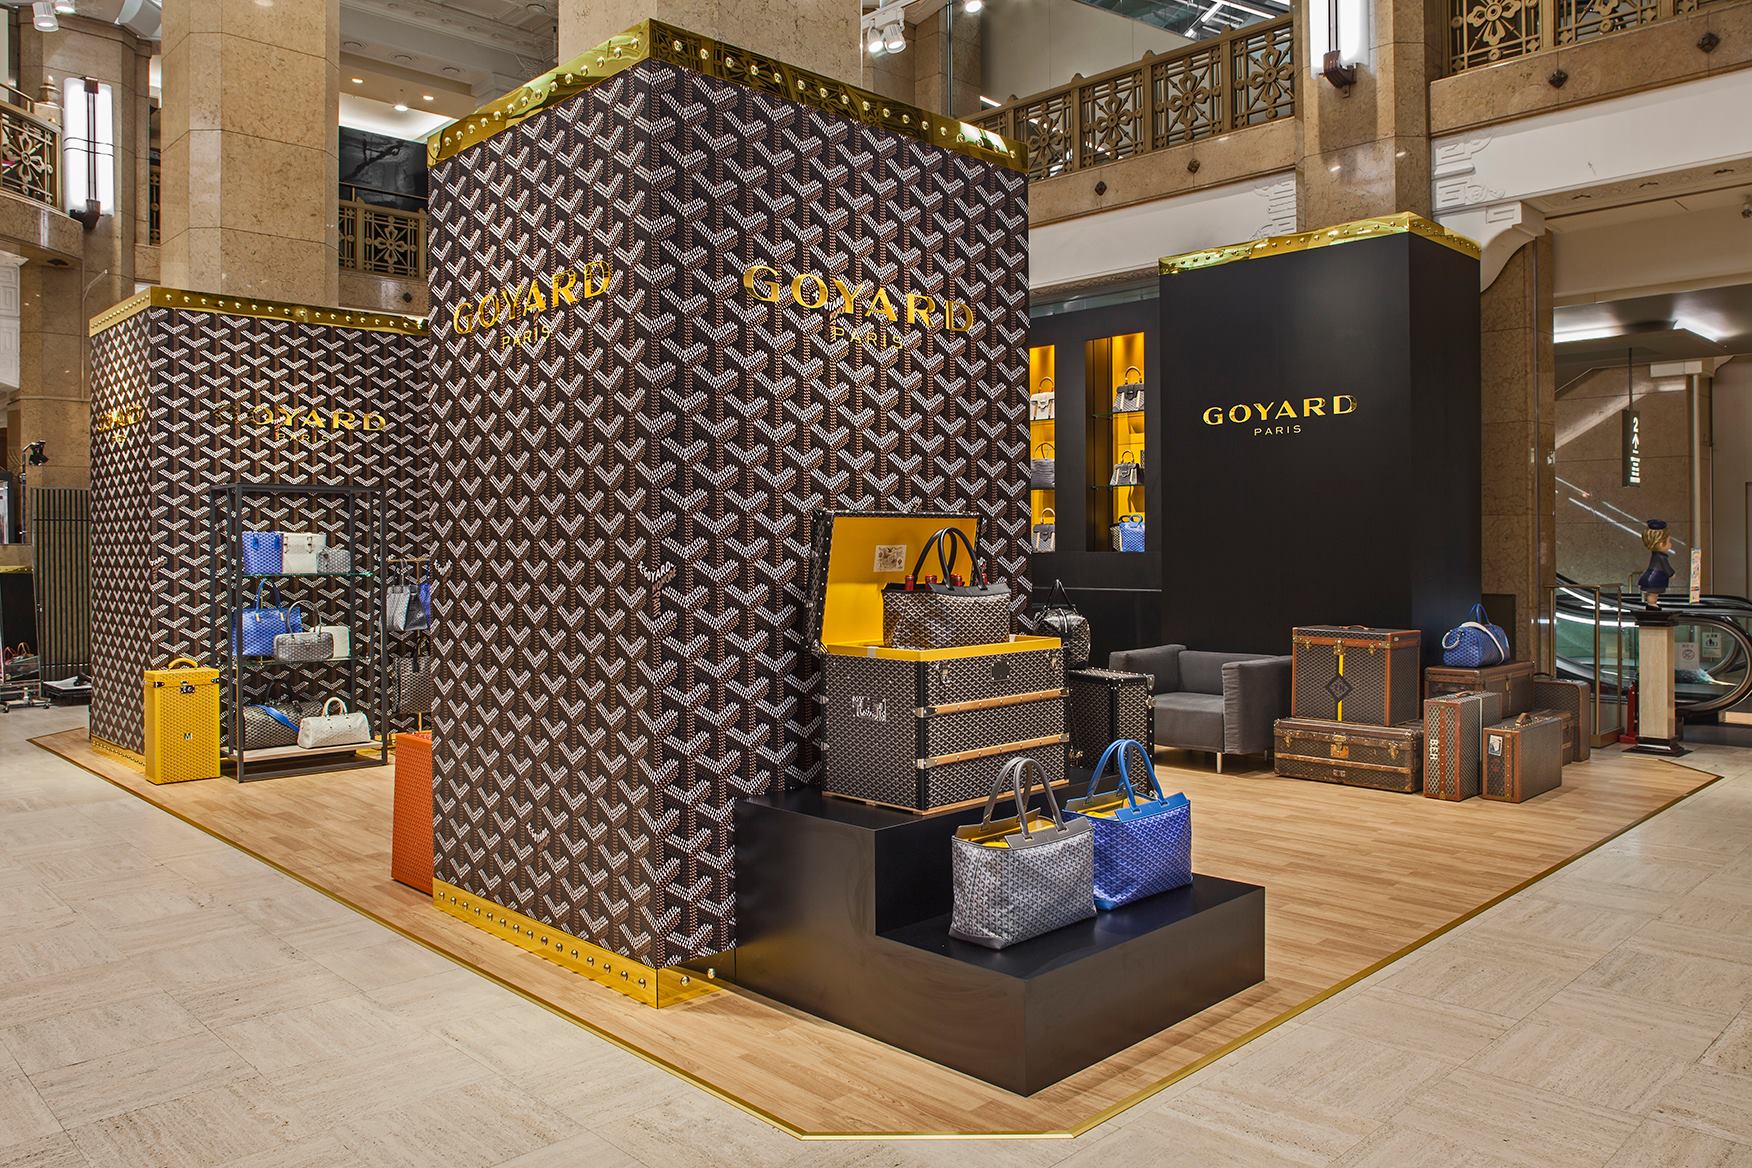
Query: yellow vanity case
919, 729
182, 722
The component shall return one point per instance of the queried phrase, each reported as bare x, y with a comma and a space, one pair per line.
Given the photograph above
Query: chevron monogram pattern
625, 518
199, 376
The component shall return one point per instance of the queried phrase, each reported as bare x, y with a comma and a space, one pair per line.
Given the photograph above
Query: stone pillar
52, 405
938, 87
250, 170
820, 35
1366, 151
1519, 443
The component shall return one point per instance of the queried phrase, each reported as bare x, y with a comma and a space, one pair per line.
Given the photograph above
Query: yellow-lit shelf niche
1116, 372
1042, 438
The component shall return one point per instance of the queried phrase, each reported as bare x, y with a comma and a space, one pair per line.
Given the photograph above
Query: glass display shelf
262, 753
308, 575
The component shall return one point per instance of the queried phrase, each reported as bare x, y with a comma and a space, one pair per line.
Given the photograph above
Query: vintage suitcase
1514, 681
1575, 698
410, 840
919, 729
1523, 758
1355, 674
1386, 758
1454, 742
1104, 706
1569, 730
182, 722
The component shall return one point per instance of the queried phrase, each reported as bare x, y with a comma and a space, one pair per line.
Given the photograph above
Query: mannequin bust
1655, 577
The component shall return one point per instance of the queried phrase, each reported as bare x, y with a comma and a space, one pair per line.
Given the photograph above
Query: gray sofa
1221, 702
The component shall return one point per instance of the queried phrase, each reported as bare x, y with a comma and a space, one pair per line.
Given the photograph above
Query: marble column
250, 172
52, 405
820, 35
1519, 443
1366, 150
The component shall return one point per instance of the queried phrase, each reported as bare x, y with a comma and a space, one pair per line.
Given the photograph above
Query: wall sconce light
1338, 40
88, 149
43, 17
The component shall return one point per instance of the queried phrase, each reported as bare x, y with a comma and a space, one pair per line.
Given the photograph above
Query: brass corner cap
1404, 223
187, 301
654, 41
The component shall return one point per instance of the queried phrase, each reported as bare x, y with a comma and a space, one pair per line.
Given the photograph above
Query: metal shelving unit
361, 513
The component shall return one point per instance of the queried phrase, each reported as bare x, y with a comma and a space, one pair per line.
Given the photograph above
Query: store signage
1632, 448
1282, 417
519, 312
302, 422
117, 419
1696, 574
872, 308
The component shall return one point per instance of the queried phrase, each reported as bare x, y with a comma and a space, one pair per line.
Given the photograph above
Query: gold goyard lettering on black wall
220, 398
626, 502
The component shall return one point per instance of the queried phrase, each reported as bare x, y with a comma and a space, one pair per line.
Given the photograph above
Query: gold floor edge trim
1082, 1128
255, 306
652, 40
133, 758
1375, 227
654, 986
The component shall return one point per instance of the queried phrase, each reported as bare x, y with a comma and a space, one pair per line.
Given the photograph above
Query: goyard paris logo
302, 422
119, 418
881, 309
520, 311
1284, 417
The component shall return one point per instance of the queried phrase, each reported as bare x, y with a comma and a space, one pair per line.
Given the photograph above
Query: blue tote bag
258, 625
1476, 643
1142, 846
263, 553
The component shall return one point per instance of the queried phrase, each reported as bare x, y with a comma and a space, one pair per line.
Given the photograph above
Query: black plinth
843, 911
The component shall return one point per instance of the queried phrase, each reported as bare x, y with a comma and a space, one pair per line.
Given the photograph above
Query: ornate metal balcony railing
30, 151
1483, 32
154, 223
383, 241
1245, 78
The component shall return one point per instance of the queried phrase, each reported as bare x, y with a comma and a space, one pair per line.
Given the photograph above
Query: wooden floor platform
1354, 879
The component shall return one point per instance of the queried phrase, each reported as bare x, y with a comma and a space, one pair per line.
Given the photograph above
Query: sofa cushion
1190, 720
1201, 671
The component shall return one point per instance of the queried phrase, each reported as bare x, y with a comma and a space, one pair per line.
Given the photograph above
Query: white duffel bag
326, 729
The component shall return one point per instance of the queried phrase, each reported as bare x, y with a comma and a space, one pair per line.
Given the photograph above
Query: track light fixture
973, 6
43, 17
884, 29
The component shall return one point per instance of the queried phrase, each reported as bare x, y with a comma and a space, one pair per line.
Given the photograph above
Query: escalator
1712, 638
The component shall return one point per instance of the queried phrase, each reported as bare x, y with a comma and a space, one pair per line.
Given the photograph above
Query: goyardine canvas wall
676, 311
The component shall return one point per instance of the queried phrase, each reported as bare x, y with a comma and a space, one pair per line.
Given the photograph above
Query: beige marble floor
167, 1001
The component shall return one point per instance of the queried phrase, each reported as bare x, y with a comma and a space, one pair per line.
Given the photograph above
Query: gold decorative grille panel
1111, 119
1579, 20
29, 148
1483, 32
1045, 125
382, 240
1263, 65
1189, 97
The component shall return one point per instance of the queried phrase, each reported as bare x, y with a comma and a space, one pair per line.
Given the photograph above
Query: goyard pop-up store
731, 622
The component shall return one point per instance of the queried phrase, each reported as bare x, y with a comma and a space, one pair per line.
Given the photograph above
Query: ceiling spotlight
427, 97
43, 17
358, 81
65, 8
972, 6
401, 107
874, 44
894, 40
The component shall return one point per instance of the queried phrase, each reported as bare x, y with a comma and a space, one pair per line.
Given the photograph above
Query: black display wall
645, 386
1321, 427
190, 391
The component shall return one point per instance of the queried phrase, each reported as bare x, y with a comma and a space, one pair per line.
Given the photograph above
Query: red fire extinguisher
1627, 736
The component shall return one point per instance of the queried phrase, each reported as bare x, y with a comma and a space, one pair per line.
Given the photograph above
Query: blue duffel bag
1475, 643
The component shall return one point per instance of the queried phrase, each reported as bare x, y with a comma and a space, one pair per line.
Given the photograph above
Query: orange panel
410, 846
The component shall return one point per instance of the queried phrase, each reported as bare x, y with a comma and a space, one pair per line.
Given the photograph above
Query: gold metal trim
186, 301
121, 753
1404, 223
1081, 1128
653, 41
635, 979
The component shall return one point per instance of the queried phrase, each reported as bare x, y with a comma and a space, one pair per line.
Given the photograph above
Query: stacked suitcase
1500, 733
919, 729
1105, 706
1454, 726
1353, 709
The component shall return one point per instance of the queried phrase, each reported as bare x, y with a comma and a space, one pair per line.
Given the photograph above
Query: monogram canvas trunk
1514, 681
1354, 674
1385, 758
1523, 758
1454, 742
1106, 705
1575, 698
647, 379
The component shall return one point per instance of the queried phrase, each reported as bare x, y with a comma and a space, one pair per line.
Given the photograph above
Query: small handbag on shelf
395, 606
310, 645
1128, 398
1041, 468
946, 615
1142, 846
342, 637
256, 627
266, 726
1041, 403
262, 553
1045, 533
419, 613
299, 550
1016, 879
1061, 619
334, 561
415, 686
1476, 643
1125, 471
1128, 534
346, 728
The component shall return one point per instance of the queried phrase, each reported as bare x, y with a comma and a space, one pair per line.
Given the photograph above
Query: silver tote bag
1014, 881
342, 729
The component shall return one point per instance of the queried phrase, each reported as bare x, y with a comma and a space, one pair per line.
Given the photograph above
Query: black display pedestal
843, 911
